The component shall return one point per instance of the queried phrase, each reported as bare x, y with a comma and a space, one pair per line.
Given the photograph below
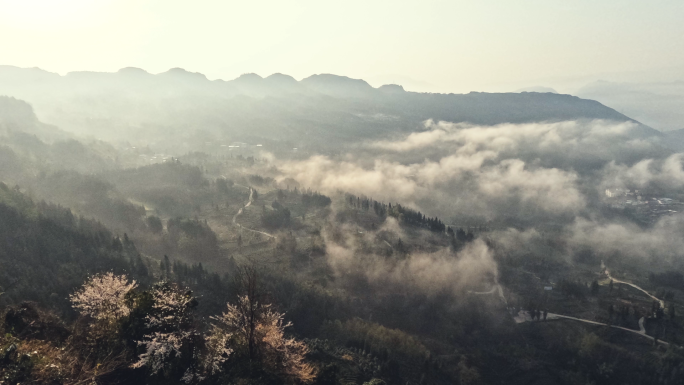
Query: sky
439, 46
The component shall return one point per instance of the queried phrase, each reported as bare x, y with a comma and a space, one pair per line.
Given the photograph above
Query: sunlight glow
45, 14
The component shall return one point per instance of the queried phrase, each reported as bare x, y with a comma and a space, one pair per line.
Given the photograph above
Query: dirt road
524, 316
615, 280
249, 203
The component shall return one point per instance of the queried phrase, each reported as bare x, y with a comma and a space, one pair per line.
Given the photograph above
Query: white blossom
103, 297
217, 350
170, 322
283, 355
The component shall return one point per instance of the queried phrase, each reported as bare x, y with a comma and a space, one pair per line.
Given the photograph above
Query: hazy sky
454, 45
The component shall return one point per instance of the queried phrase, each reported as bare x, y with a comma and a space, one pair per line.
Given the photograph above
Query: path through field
662, 303
249, 203
524, 316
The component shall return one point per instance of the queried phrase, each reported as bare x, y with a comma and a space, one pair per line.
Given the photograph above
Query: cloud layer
430, 273
539, 169
529, 176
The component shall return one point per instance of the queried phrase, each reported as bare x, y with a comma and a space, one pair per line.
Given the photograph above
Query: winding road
495, 289
660, 301
249, 203
524, 316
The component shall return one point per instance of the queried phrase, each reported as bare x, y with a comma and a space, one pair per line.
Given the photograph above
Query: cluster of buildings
645, 208
144, 155
141, 156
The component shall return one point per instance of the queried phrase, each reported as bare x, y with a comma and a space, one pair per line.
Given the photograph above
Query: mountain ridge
322, 111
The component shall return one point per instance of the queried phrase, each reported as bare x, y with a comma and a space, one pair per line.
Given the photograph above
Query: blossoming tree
103, 297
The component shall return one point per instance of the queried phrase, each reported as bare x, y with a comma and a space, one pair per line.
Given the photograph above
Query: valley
431, 257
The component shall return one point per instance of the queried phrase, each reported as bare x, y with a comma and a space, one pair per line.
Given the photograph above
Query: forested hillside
47, 251
459, 254
341, 193
343, 336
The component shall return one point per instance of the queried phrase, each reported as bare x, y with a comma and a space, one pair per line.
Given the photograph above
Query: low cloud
535, 169
663, 173
430, 273
663, 242
470, 182
529, 175
517, 138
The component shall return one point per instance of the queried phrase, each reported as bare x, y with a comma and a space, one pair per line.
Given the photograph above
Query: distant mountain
658, 105
675, 139
392, 88
538, 89
15, 113
339, 86
32, 147
180, 111
17, 116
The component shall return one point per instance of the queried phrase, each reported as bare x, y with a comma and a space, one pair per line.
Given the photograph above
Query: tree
261, 330
285, 356
165, 266
222, 185
594, 288
170, 328
467, 375
155, 224
247, 282
103, 297
401, 249
279, 217
257, 331
216, 350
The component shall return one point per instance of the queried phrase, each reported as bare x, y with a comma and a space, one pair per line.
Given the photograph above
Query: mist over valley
172, 227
